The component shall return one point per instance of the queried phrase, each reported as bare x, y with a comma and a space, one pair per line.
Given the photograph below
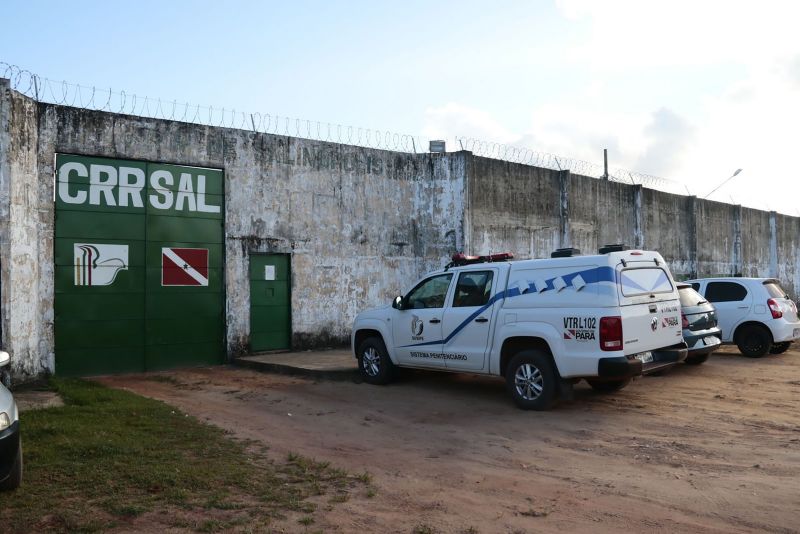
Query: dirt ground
714, 448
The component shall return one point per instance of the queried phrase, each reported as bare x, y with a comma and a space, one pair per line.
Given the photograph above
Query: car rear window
775, 290
644, 281
690, 297
725, 292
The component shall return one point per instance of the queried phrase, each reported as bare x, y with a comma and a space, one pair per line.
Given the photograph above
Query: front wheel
780, 348
15, 478
374, 363
531, 380
754, 341
608, 386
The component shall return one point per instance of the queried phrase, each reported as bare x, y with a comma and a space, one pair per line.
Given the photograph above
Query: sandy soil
714, 448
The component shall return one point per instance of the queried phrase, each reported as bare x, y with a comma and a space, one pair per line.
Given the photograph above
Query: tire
608, 386
754, 341
780, 348
374, 363
531, 380
15, 478
696, 360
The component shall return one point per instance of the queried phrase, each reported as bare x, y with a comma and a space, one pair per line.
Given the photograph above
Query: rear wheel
608, 386
780, 348
15, 478
754, 341
696, 360
374, 363
531, 380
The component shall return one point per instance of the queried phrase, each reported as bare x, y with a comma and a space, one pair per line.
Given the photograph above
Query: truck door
467, 321
417, 328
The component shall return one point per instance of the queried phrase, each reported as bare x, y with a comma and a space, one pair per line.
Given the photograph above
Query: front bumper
9, 446
620, 367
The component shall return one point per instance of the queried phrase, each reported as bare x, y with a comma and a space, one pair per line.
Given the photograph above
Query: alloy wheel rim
528, 381
371, 361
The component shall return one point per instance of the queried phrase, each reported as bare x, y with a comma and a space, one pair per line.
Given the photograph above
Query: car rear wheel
15, 478
374, 363
531, 380
754, 341
696, 360
780, 348
608, 386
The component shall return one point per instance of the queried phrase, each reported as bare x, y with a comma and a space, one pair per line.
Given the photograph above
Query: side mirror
398, 303
4, 358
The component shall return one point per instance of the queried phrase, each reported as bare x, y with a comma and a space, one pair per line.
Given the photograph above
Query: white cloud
698, 137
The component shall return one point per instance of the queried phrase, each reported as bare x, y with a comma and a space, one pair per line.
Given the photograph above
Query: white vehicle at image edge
754, 313
543, 325
10, 448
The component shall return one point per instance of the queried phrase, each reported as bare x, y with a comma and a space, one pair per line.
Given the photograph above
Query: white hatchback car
754, 313
10, 448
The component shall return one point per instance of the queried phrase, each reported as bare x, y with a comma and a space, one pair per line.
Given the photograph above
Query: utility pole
605, 164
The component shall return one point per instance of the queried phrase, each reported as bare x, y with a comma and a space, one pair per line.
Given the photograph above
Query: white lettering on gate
185, 192
131, 189
155, 179
97, 186
63, 182
130, 181
201, 197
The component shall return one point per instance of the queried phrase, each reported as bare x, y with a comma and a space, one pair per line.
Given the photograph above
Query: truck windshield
644, 281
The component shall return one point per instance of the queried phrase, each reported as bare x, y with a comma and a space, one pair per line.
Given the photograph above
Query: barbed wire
60, 92
546, 160
120, 102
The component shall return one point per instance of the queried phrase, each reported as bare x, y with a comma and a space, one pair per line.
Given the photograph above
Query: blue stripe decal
590, 276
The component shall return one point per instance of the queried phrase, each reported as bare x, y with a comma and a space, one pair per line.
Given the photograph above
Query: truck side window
473, 289
725, 292
429, 293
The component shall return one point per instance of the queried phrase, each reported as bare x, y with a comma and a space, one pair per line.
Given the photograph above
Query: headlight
5, 422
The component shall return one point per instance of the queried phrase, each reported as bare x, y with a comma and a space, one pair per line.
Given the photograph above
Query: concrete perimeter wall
532, 211
361, 225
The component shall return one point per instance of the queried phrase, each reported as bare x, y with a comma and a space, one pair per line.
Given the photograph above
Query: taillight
611, 333
777, 313
684, 321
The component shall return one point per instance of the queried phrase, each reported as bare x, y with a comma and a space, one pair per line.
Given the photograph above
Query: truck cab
604, 318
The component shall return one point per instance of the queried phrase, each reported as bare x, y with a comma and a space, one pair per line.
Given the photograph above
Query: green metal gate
139, 256
270, 302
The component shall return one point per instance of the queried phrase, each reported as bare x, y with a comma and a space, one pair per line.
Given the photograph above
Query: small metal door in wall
270, 302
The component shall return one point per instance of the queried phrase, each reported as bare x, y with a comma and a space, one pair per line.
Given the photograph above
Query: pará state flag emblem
184, 266
98, 264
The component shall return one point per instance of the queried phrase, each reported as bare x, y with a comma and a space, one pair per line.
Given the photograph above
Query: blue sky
685, 90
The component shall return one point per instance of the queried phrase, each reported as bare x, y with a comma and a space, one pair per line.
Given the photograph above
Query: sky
686, 90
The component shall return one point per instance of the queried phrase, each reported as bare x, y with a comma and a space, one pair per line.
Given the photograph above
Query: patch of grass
108, 457
423, 529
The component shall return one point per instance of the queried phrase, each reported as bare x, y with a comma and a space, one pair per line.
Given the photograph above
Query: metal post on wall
605, 164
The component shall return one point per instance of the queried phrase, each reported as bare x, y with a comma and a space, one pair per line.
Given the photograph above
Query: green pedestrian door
138, 266
270, 302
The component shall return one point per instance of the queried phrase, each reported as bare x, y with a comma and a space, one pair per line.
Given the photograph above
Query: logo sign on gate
184, 266
98, 264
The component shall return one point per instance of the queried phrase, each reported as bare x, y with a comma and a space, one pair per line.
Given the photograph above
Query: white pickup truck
541, 324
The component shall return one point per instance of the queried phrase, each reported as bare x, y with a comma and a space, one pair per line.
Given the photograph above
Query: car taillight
611, 333
777, 313
684, 321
